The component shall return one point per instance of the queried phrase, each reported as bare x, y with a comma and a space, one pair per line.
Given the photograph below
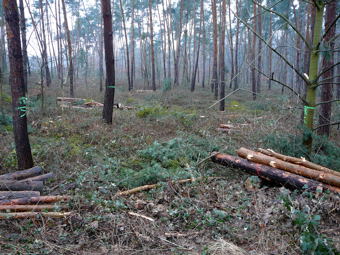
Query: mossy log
293, 168
298, 161
271, 174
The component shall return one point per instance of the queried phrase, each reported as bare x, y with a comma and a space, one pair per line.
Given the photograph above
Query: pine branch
327, 124
325, 71
328, 102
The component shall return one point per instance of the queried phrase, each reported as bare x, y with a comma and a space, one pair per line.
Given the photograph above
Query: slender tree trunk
178, 48
109, 61
326, 89
166, 14
214, 82
231, 46
222, 52
236, 47
253, 50
270, 52
133, 62
22, 144
152, 47
101, 56
126, 46
204, 37
313, 73
69, 46
259, 56
24, 43
44, 50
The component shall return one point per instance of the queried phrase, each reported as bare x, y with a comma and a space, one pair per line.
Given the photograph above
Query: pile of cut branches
20, 195
288, 171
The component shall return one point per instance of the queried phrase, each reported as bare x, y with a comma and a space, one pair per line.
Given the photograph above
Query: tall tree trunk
313, 73
298, 25
22, 144
178, 47
231, 46
270, 53
101, 56
253, 50
236, 47
259, 56
133, 62
166, 14
328, 61
44, 46
222, 52
109, 62
214, 82
126, 46
204, 42
69, 47
24, 43
152, 48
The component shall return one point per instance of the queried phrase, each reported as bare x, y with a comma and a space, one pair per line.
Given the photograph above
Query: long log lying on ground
34, 200
6, 195
21, 185
21, 215
69, 99
42, 177
296, 169
271, 174
298, 161
31, 207
19, 175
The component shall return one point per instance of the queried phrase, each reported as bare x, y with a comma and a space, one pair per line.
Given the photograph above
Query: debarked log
271, 174
22, 215
42, 177
19, 175
298, 161
18, 208
7, 195
283, 165
21, 185
34, 200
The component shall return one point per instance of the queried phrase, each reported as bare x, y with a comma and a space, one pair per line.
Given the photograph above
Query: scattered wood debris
278, 171
80, 103
20, 196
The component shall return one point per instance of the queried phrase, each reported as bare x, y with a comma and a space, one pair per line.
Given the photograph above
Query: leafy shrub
5, 123
152, 112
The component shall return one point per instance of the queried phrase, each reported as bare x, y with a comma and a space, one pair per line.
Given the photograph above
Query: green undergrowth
175, 159
325, 152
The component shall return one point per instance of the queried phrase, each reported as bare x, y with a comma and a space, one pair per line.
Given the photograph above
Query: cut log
69, 99
296, 169
7, 195
271, 174
21, 185
34, 200
298, 161
22, 215
19, 175
31, 207
42, 177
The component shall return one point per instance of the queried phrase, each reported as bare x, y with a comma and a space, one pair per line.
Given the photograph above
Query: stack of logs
20, 195
281, 169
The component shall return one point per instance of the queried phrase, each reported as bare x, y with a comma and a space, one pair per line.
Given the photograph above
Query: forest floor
168, 136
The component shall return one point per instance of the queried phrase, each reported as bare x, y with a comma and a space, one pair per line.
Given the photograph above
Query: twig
141, 216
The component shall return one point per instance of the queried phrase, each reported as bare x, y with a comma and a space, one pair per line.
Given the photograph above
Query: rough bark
293, 168
328, 61
271, 174
6, 195
69, 48
23, 41
270, 53
214, 82
19, 175
153, 71
21, 185
22, 145
44, 46
109, 62
222, 53
259, 49
253, 50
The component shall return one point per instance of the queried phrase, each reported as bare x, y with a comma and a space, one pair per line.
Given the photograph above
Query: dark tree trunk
23, 41
231, 46
253, 50
270, 53
214, 82
152, 48
44, 46
259, 57
236, 47
204, 42
109, 62
222, 52
101, 56
178, 48
328, 61
69, 47
22, 144
132, 72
